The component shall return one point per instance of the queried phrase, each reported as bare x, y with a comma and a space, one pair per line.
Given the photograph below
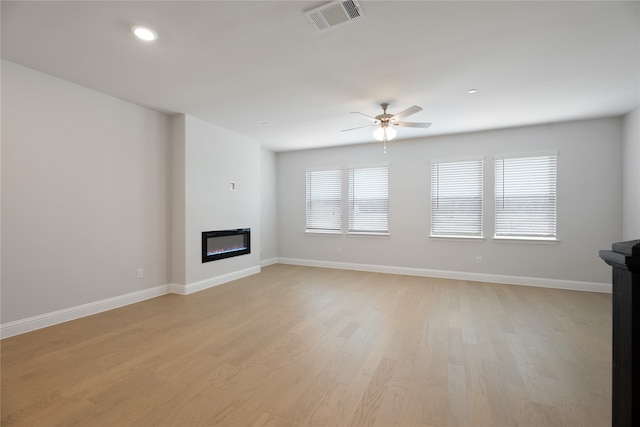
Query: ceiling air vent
334, 14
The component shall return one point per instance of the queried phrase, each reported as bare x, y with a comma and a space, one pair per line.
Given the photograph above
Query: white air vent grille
334, 14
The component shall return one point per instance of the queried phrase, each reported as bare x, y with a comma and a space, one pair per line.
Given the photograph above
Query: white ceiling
239, 64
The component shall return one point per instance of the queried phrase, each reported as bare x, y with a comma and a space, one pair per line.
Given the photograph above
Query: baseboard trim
268, 262
457, 275
214, 281
49, 319
22, 326
60, 316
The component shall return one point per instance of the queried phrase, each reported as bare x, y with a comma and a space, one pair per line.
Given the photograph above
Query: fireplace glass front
222, 244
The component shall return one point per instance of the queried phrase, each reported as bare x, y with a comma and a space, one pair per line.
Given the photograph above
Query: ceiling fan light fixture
384, 133
144, 33
385, 123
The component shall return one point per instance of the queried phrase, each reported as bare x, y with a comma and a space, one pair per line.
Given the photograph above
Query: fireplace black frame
206, 235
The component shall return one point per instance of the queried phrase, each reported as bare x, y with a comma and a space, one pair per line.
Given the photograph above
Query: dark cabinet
624, 258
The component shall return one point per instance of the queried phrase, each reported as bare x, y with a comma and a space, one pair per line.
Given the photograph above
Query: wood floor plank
352, 397
434, 411
457, 396
302, 346
416, 390
268, 420
367, 410
479, 409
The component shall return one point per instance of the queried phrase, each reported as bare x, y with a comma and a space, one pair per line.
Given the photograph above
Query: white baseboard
268, 262
49, 319
457, 275
214, 281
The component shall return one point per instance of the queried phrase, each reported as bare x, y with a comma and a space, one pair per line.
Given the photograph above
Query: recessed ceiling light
471, 91
144, 33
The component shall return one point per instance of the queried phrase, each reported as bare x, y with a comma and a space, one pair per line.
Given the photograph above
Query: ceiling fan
386, 122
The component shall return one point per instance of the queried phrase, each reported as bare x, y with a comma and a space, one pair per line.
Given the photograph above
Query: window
456, 198
323, 200
526, 197
369, 200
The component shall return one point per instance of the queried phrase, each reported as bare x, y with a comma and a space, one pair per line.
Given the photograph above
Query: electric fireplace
222, 244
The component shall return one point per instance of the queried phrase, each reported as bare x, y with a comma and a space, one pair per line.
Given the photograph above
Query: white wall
94, 188
213, 157
631, 176
268, 206
178, 203
589, 204
85, 195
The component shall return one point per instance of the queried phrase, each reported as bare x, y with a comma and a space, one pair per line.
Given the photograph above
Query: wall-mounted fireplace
222, 244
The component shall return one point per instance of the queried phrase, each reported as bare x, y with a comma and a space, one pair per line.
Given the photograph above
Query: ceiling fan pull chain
385, 146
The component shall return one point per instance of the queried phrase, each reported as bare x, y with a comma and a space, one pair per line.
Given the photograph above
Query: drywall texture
631, 176
268, 205
178, 203
84, 195
215, 157
589, 204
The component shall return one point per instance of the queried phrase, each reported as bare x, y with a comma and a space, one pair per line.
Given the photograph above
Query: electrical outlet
478, 260
140, 273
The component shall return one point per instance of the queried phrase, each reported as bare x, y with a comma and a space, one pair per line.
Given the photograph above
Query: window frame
352, 228
309, 218
501, 233
478, 234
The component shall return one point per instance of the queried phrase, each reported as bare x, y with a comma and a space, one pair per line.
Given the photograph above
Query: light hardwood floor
300, 346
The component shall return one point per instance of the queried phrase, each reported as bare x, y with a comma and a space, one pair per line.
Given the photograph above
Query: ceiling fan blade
362, 114
412, 124
409, 111
359, 127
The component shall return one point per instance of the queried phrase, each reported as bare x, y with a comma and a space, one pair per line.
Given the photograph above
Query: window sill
536, 240
367, 234
323, 233
468, 238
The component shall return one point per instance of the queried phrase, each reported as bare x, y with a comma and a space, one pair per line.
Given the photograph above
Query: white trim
457, 237
268, 262
523, 239
368, 234
174, 288
457, 275
214, 281
323, 168
60, 316
457, 159
22, 326
368, 165
323, 233
526, 154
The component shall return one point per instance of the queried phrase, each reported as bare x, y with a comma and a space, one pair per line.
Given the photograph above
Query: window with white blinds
526, 197
323, 200
369, 200
456, 198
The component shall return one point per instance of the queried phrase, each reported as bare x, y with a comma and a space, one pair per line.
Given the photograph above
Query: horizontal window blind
369, 200
323, 200
456, 198
526, 196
